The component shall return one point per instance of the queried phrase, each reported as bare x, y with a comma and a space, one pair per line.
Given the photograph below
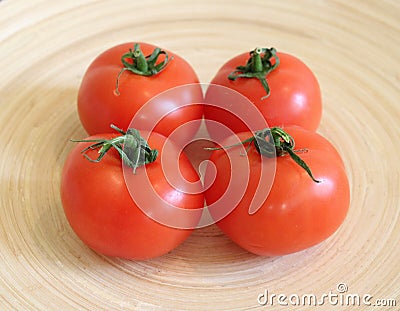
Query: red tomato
101, 102
100, 209
297, 212
294, 98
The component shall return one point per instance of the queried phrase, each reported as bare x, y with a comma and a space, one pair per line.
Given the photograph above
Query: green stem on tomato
131, 146
140, 64
258, 66
272, 142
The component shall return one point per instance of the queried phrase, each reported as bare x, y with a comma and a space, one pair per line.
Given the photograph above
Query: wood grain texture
45, 47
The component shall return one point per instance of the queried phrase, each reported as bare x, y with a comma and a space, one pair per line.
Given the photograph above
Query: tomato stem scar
273, 142
136, 62
261, 62
132, 147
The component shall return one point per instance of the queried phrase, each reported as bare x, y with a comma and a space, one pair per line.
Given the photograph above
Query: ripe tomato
103, 213
294, 94
110, 93
297, 212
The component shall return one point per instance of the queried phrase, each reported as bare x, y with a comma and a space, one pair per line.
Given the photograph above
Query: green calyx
273, 142
261, 62
132, 147
136, 62
276, 137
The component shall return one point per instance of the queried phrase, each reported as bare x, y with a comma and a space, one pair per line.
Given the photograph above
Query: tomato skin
99, 105
295, 96
297, 212
102, 213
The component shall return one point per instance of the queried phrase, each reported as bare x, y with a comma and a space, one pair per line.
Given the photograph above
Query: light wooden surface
352, 46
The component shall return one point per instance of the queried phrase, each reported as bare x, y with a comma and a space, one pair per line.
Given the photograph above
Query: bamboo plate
352, 46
